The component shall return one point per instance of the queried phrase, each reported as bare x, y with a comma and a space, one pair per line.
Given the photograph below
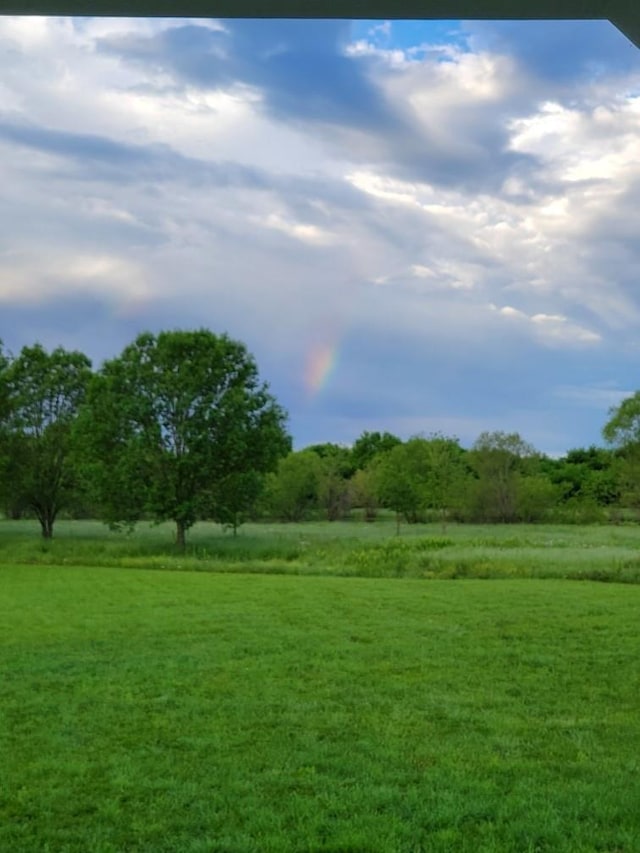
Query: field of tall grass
347, 549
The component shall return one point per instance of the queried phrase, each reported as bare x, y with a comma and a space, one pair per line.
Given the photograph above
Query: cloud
96, 156
348, 97
296, 186
553, 330
25, 280
560, 52
299, 69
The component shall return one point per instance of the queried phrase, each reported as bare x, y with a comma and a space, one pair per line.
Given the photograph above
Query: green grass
356, 549
164, 711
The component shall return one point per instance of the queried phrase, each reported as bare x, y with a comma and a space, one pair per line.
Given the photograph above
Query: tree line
179, 427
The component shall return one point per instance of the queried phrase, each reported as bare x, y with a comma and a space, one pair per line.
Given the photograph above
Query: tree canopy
623, 427
171, 419
40, 395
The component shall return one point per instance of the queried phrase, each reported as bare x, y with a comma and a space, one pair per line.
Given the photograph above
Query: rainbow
320, 362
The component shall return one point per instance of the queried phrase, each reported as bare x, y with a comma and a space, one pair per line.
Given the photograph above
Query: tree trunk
181, 530
46, 527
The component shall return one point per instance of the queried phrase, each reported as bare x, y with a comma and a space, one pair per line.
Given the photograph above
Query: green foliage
235, 498
536, 497
423, 474
499, 460
622, 430
396, 557
447, 476
585, 474
623, 427
40, 396
171, 420
291, 493
371, 445
402, 475
334, 488
364, 491
339, 457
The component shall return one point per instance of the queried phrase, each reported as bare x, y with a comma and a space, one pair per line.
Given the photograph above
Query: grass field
347, 549
146, 710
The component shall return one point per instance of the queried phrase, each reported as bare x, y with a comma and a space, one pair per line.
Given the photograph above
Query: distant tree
339, 456
334, 491
623, 427
446, 476
6, 499
402, 477
364, 491
4, 385
585, 475
536, 496
40, 396
498, 459
371, 444
170, 420
423, 476
291, 492
622, 431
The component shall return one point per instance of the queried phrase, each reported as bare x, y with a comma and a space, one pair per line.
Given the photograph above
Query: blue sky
414, 226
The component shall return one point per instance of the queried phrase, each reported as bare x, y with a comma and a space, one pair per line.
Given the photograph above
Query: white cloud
28, 280
552, 330
306, 233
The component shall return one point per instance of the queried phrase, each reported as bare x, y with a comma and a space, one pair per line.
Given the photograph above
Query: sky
413, 226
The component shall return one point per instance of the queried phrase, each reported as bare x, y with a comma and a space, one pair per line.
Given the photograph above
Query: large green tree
170, 421
40, 395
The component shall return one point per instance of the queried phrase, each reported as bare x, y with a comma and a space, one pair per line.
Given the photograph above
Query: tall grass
344, 549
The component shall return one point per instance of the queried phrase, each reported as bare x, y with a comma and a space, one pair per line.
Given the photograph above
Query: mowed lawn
182, 711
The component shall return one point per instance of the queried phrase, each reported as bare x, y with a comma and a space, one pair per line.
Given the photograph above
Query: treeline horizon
180, 427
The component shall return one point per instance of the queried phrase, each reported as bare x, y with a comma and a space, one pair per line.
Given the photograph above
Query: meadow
320, 688
345, 549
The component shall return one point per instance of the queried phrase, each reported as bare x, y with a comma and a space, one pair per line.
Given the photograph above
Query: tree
292, 491
585, 475
364, 491
402, 476
498, 459
170, 420
6, 498
422, 475
334, 493
40, 396
623, 427
622, 431
370, 445
536, 497
446, 475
